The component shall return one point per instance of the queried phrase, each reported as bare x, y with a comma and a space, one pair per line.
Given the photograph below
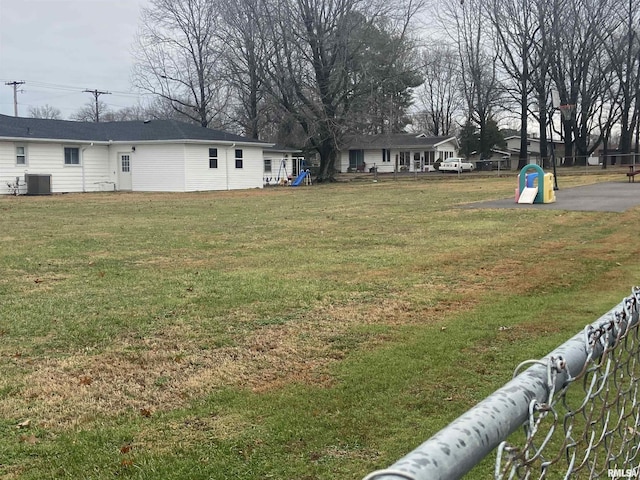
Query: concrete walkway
599, 197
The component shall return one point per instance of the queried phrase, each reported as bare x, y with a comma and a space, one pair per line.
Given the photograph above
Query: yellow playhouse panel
548, 194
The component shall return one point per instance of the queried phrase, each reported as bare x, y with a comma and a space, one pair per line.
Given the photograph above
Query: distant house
533, 149
396, 152
58, 156
281, 163
498, 159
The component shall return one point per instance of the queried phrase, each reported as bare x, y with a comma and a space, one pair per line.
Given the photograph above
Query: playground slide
299, 179
528, 195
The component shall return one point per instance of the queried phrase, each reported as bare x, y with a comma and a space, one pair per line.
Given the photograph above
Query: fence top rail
457, 448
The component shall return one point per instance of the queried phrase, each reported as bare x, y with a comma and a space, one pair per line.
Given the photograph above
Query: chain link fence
571, 415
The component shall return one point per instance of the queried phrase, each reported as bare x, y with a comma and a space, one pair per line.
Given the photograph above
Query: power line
15, 95
72, 88
46, 88
96, 94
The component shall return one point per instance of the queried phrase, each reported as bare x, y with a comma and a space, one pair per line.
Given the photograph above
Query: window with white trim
213, 158
267, 164
21, 155
238, 158
71, 156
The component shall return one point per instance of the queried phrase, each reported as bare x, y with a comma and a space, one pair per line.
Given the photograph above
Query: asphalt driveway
599, 197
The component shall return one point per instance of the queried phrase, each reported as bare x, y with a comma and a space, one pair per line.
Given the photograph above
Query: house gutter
84, 189
226, 161
53, 140
264, 145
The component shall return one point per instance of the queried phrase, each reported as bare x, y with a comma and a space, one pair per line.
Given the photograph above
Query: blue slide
299, 179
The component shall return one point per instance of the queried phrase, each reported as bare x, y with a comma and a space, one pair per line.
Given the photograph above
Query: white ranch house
396, 152
59, 156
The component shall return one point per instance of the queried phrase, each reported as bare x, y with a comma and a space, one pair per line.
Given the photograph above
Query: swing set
283, 177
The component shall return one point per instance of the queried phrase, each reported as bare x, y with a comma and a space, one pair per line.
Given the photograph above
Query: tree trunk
568, 143
544, 148
328, 156
524, 103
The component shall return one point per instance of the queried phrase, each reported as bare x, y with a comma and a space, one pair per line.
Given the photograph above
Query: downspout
226, 165
84, 190
226, 161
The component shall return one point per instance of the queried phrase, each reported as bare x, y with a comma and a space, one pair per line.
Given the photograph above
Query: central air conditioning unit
38, 184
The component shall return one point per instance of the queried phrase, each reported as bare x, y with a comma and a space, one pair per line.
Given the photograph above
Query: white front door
124, 171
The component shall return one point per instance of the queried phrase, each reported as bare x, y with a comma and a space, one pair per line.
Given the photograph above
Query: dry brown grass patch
170, 368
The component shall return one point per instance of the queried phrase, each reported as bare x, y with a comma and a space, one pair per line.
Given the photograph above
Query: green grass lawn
288, 333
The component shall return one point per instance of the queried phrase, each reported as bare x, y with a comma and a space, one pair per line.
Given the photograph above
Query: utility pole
96, 94
15, 84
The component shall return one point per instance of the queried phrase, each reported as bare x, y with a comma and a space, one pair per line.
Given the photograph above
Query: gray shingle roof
38, 128
396, 140
278, 148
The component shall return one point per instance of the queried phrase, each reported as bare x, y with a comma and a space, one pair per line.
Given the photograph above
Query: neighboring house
533, 149
498, 159
155, 155
281, 164
396, 152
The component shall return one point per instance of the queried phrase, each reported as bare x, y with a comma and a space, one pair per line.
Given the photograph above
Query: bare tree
540, 79
46, 111
515, 25
608, 115
439, 94
178, 58
134, 112
88, 112
579, 68
312, 62
241, 35
624, 49
481, 86
157, 108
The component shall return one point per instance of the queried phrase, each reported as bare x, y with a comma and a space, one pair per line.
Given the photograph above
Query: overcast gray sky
61, 47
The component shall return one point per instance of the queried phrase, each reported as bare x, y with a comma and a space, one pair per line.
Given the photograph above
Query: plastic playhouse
535, 186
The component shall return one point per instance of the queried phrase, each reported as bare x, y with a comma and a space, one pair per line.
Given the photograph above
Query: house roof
395, 140
130, 131
278, 148
500, 152
533, 139
494, 150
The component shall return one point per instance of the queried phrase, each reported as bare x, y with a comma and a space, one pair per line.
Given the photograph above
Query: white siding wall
447, 147
48, 159
343, 163
158, 168
200, 177
97, 174
250, 175
8, 168
533, 144
375, 156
